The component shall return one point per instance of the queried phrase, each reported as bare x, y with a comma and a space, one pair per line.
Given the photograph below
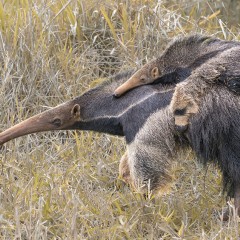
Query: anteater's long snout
61, 117
128, 85
134, 81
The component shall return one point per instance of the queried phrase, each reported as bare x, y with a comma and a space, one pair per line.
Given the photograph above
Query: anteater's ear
75, 111
155, 73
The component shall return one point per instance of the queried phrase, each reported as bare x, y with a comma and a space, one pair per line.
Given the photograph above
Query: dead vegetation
64, 185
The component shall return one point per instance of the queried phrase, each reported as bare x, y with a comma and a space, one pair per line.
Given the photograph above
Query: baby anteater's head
147, 74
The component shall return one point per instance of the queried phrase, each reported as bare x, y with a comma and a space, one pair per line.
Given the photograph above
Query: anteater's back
192, 51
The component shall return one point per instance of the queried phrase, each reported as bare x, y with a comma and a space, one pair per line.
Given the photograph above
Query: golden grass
64, 185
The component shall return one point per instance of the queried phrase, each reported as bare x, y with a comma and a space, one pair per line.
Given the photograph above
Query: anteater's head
147, 74
98, 110
62, 117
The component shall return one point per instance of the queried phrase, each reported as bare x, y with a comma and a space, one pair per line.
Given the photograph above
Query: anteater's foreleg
124, 171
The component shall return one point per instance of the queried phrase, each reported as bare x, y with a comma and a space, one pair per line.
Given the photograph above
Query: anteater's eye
143, 79
57, 122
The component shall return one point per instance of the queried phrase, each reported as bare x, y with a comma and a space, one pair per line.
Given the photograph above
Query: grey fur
152, 153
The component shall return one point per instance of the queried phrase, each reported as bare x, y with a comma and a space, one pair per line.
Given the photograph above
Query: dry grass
64, 185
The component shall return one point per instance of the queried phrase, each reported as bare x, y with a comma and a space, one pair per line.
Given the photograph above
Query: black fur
214, 134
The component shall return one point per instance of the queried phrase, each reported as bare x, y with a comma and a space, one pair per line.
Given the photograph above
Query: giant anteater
144, 118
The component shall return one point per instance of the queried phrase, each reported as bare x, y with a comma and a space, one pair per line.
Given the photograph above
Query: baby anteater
202, 60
